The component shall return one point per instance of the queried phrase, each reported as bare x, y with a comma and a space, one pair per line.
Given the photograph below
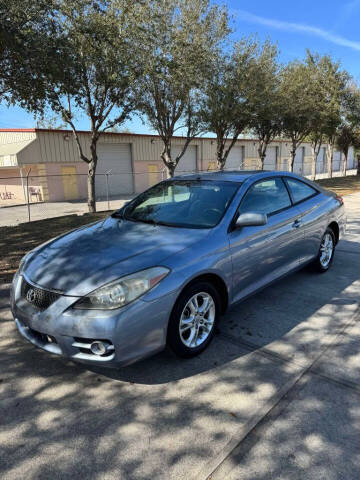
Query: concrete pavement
15, 215
276, 395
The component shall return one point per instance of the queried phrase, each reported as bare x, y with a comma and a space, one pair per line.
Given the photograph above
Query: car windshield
183, 203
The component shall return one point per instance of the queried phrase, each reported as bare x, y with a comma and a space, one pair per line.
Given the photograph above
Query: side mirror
251, 219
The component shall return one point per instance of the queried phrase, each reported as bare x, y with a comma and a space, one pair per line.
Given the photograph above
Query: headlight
124, 290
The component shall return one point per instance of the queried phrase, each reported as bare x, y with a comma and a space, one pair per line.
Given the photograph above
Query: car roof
238, 176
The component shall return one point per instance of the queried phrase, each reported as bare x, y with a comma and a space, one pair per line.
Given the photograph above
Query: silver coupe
161, 270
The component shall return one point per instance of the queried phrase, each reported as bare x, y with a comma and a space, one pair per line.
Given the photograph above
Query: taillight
340, 199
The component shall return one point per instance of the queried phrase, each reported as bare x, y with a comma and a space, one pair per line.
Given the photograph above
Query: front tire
326, 252
193, 319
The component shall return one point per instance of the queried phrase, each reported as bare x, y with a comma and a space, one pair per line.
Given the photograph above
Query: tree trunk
170, 168
315, 154
220, 153
91, 177
330, 159
345, 164
262, 160
292, 155
166, 158
262, 154
91, 187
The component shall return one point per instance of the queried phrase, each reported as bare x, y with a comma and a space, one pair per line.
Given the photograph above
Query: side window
299, 190
180, 193
267, 196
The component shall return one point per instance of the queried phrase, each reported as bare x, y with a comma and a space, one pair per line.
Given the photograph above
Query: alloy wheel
326, 250
197, 319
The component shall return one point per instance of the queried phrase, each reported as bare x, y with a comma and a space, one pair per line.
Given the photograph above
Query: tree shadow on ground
164, 417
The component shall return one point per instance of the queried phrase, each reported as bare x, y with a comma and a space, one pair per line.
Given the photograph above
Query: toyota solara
161, 270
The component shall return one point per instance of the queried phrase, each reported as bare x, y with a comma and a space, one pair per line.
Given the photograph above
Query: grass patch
18, 240
341, 185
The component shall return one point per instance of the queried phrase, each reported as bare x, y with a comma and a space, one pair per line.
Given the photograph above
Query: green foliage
265, 100
347, 132
167, 60
312, 91
227, 103
74, 54
180, 38
25, 27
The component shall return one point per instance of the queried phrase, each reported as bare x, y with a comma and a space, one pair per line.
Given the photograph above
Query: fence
35, 197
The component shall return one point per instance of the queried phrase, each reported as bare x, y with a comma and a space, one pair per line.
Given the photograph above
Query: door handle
296, 224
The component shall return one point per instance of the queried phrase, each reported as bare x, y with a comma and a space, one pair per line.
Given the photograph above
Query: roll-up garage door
336, 161
299, 161
270, 158
117, 158
235, 159
350, 159
187, 163
321, 161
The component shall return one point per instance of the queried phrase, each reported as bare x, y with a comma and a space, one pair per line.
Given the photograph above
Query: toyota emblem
30, 296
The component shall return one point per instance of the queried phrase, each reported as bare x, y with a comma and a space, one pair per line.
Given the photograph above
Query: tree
330, 82
225, 105
347, 134
81, 58
298, 90
181, 38
50, 122
24, 26
265, 99
346, 138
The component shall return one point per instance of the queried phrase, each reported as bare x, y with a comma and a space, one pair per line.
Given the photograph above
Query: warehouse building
132, 161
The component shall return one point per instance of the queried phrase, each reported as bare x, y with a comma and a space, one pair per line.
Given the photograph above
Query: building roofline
125, 134
17, 130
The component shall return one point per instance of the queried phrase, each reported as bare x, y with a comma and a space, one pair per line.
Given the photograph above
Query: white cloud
298, 27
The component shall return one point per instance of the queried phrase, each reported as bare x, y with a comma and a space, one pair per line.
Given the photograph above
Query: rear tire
193, 319
326, 252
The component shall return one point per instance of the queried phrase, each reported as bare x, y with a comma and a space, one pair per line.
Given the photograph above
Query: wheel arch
217, 281
334, 226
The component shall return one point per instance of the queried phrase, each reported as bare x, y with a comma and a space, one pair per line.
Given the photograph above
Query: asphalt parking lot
276, 396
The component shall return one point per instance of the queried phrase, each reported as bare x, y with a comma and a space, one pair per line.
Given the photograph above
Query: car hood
89, 257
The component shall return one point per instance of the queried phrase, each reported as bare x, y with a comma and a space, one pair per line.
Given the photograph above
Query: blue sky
324, 26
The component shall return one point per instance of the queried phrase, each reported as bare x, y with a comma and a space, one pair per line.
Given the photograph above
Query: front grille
38, 297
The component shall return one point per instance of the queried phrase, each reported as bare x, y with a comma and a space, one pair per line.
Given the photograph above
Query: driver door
261, 254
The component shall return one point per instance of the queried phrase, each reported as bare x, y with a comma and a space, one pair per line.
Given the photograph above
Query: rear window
299, 190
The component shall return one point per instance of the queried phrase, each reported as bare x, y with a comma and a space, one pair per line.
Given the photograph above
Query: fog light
99, 348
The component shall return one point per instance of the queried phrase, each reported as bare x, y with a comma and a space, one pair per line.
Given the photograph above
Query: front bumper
136, 331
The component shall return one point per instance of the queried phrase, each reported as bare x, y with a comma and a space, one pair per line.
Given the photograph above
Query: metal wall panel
187, 162
117, 159
299, 161
270, 159
235, 158
337, 161
321, 161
